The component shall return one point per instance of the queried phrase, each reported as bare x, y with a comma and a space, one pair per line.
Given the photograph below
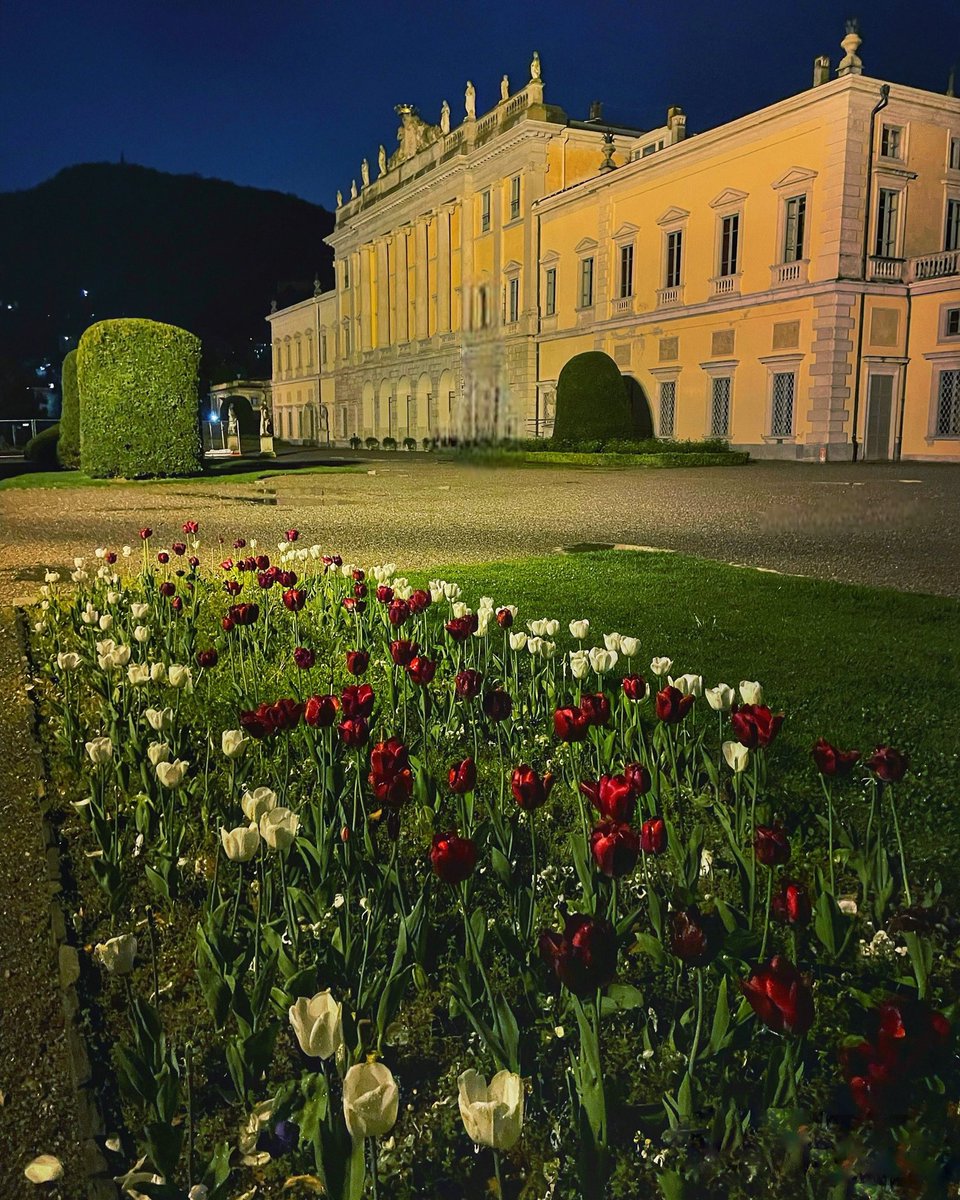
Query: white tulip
68, 661
78, 562
629, 646
89, 616
233, 743
158, 752
113, 597
436, 592
99, 552
126, 551
451, 591
660, 666
318, 1024
121, 656
106, 647
547, 649
720, 697
117, 954
690, 685
534, 645
518, 640
139, 611
371, 1099
492, 1116
459, 609
737, 757
254, 804
39, 626
578, 630
536, 627
138, 674
278, 828
550, 627
141, 634
579, 664
105, 622
484, 617
240, 844
179, 676
172, 774
158, 672
158, 718
602, 660
612, 641
45, 1168
52, 577
100, 750
751, 692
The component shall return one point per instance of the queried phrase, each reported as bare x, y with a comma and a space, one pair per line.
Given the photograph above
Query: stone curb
99, 1181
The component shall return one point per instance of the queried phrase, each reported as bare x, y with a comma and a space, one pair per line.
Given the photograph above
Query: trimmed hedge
68, 447
592, 400
139, 408
42, 449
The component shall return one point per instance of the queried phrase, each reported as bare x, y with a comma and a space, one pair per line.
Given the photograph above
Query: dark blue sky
292, 94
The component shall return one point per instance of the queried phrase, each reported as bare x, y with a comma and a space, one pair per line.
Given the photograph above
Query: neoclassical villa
788, 281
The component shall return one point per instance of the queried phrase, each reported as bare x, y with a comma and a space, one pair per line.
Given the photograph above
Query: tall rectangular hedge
139, 412
68, 443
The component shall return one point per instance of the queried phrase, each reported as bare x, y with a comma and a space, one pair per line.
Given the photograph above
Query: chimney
677, 123
596, 111
821, 69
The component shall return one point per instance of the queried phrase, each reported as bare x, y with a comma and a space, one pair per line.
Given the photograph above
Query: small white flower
660, 666
127, 551
534, 645
233, 743
68, 661
848, 905
158, 672
141, 634
52, 577
118, 953
105, 622
242, 843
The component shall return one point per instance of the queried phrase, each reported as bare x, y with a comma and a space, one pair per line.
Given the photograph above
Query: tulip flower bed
386, 895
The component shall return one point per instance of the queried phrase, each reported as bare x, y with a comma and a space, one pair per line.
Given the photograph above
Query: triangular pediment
795, 177
728, 196
512, 267
673, 213
548, 257
626, 230
584, 245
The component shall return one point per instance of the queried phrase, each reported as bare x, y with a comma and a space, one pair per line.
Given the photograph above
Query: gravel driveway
896, 525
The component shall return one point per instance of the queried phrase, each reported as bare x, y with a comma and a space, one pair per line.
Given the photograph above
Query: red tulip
634, 687
146, 533
286, 579
360, 590
497, 704
292, 534
357, 700
612, 796
357, 661
421, 670
167, 588
529, 790
398, 613
285, 714
755, 725
177, 604
256, 723
353, 605
320, 712
227, 624
304, 657
615, 848
584, 956
261, 562
467, 684
462, 777
888, 765
653, 836
191, 526
595, 708
694, 936
780, 996
163, 557
453, 857
831, 761
571, 724
294, 599
110, 557
244, 614
358, 575
384, 594
227, 564
673, 705
353, 732
791, 905
460, 628
193, 562
266, 579
240, 543
770, 845
207, 658
420, 600
179, 548
233, 587
403, 652
637, 775
504, 618
390, 776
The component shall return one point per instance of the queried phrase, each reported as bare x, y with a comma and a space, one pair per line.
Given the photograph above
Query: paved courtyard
896, 525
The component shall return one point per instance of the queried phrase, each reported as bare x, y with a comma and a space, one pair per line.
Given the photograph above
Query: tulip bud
452, 857
780, 996
653, 836
751, 692
233, 743
462, 777
240, 844
720, 698
370, 1100
770, 845
158, 752
318, 1024
278, 828
736, 756
172, 774
492, 1116
888, 765
661, 666
345, 834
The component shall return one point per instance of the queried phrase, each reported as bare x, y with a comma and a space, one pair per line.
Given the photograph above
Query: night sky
292, 94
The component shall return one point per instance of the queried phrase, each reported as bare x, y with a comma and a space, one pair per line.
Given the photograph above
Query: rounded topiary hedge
592, 399
139, 412
68, 447
42, 448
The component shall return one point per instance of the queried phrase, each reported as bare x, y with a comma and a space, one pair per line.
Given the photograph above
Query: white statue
339, 198
505, 88
232, 424
535, 66
365, 173
382, 160
470, 100
444, 117
353, 189
266, 429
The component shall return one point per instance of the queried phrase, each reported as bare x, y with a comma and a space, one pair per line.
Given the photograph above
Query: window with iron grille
794, 227
668, 407
951, 235
484, 211
674, 258
781, 423
888, 205
626, 271
890, 139
513, 299
948, 405
514, 197
550, 292
586, 283
951, 324
720, 406
729, 244
955, 154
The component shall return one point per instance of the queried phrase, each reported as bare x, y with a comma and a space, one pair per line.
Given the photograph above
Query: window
730, 244
513, 299
890, 141
586, 283
346, 340
674, 258
951, 235
888, 202
346, 273
482, 306
668, 407
954, 159
784, 386
951, 323
484, 212
550, 292
795, 220
514, 197
323, 349
948, 405
720, 406
626, 271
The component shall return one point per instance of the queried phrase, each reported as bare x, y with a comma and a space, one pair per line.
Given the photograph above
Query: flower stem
695, 1047
903, 861
496, 1171
766, 915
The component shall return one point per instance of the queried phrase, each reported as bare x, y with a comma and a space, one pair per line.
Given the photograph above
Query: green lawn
860, 666
75, 479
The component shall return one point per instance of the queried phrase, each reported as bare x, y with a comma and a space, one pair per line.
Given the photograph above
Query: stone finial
851, 64
353, 189
951, 81
339, 198
535, 66
608, 151
317, 289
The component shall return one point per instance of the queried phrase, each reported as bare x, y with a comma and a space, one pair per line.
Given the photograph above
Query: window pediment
512, 267
626, 232
673, 213
585, 245
728, 197
795, 177
549, 258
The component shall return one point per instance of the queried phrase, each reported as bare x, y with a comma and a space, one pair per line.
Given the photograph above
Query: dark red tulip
653, 836
353, 605
419, 601
385, 594
233, 587
357, 700
191, 526
615, 848
255, 723
637, 775
888, 765
320, 712
672, 705
398, 613
145, 533
421, 670
462, 777
287, 579
780, 996
504, 618
240, 544
294, 599
497, 704
596, 708
292, 534
207, 658
529, 790
227, 564
304, 657
266, 579
353, 732
571, 724
755, 725
357, 661
163, 557
460, 628
612, 796
584, 956
453, 857
634, 687
390, 776
467, 684
193, 562
261, 562
227, 624
360, 590
695, 937
110, 557
358, 575
770, 845
791, 905
177, 604
167, 588
285, 714
179, 548
833, 762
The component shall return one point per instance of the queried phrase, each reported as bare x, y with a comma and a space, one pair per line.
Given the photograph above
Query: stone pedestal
233, 443
266, 447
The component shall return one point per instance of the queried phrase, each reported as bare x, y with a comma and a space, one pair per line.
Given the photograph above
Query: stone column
423, 268
443, 270
383, 292
403, 309
364, 306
